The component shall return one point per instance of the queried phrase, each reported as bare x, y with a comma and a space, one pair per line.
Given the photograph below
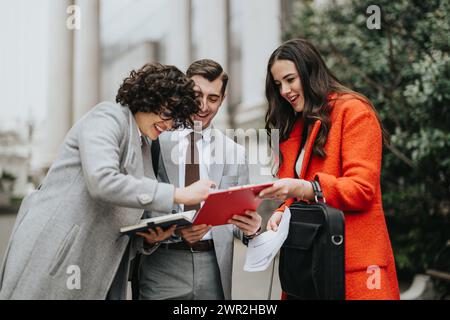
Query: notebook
219, 207
180, 219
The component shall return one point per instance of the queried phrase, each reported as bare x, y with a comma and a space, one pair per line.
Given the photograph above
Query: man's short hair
210, 70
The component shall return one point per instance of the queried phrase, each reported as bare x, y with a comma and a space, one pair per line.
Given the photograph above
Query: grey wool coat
70, 226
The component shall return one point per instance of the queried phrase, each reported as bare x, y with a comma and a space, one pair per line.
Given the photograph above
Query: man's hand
249, 224
157, 235
193, 234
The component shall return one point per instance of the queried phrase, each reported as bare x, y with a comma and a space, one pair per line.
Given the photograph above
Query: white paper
263, 248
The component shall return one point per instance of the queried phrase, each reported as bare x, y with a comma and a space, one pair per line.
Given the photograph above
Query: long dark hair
317, 82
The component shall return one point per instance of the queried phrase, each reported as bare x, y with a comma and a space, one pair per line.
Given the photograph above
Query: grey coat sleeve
100, 138
144, 248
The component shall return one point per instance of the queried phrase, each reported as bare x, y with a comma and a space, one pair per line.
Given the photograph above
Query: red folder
220, 206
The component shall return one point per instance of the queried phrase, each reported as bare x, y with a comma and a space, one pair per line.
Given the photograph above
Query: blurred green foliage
6, 176
404, 68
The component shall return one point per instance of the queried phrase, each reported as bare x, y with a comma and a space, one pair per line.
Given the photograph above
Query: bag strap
335, 229
318, 194
334, 220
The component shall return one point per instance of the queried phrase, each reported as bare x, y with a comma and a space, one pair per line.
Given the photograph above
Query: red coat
350, 180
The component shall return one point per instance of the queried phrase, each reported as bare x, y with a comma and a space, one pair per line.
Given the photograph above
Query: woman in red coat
333, 135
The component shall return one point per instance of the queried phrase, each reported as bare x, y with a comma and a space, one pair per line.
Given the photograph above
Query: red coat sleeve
361, 149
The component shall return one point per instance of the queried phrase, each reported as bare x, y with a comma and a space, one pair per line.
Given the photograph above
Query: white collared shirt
299, 162
204, 150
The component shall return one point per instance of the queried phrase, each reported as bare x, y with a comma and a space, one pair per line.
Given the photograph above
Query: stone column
210, 39
177, 46
261, 34
60, 75
86, 74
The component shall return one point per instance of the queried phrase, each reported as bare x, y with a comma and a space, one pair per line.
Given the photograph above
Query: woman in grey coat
66, 242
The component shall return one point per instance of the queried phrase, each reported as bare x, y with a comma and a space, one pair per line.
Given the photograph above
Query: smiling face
152, 125
288, 82
210, 97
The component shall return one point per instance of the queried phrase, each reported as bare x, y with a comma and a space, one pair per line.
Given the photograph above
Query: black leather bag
312, 259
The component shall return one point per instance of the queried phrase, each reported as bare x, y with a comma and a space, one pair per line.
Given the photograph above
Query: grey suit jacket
70, 226
229, 170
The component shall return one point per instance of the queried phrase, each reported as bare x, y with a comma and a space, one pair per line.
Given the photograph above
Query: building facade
75, 53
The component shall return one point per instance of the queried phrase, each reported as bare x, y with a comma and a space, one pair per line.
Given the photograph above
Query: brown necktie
192, 168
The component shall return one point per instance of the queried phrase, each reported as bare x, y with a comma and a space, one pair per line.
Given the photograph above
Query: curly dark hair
161, 89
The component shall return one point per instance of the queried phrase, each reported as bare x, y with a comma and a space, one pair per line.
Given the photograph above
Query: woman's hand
288, 188
249, 224
194, 193
157, 235
274, 221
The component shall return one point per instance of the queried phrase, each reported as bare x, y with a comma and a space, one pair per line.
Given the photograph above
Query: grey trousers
180, 275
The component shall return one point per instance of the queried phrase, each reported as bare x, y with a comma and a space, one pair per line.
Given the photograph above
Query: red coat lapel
308, 148
291, 147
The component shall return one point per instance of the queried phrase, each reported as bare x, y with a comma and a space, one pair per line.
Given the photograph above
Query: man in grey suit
197, 262
66, 242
